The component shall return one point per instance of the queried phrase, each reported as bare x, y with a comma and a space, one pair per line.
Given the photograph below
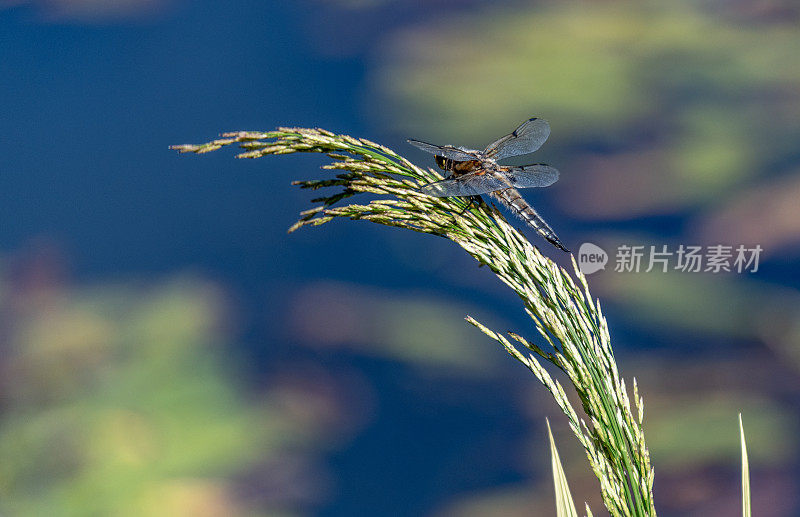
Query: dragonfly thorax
463, 167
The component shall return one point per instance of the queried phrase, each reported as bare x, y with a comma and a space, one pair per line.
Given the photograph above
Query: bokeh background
167, 349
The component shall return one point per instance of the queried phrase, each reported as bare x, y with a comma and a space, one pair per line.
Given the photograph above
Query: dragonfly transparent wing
448, 151
524, 140
480, 182
538, 175
472, 184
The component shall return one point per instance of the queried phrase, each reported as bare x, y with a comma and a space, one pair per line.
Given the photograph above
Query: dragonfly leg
437, 181
470, 202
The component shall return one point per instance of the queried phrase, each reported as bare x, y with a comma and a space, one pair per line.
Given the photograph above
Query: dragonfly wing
448, 151
538, 175
524, 140
473, 184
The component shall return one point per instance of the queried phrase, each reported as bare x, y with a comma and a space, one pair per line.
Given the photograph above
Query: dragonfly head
444, 163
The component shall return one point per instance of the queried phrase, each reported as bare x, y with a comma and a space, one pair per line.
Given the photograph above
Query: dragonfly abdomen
512, 199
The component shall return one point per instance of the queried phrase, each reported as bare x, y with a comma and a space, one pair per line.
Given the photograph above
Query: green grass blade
745, 473
565, 506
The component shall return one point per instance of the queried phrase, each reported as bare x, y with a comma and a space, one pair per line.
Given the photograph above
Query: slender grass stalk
568, 321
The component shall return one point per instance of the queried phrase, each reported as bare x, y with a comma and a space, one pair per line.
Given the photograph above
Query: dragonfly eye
441, 161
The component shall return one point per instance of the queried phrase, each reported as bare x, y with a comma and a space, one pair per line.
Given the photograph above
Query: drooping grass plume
572, 330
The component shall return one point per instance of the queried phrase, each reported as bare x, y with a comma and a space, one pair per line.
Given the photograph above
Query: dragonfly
473, 173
